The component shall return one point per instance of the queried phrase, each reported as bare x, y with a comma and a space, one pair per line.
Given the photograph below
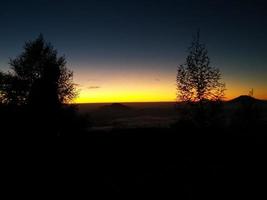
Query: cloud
157, 79
80, 86
92, 79
93, 87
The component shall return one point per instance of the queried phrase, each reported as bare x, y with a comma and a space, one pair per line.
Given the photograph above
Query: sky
128, 51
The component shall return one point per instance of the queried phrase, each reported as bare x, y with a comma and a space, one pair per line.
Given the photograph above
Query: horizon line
125, 102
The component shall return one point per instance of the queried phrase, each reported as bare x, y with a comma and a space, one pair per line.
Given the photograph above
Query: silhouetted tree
199, 86
251, 93
196, 79
36, 74
40, 86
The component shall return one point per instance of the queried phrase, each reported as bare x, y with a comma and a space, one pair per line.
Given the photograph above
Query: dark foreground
110, 155
142, 163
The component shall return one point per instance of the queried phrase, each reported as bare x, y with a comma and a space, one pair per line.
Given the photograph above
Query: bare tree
197, 80
251, 92
200, 88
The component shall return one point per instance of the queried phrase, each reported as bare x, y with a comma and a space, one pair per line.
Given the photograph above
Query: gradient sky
122, 50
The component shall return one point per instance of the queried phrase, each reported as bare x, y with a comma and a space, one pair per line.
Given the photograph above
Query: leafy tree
197, 80
37, 75
35, 92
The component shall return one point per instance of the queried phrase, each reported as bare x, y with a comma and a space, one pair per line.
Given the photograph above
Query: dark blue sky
116, 35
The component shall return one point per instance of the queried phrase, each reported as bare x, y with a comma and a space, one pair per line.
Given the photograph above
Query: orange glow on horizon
146, 86
147, 96
126, 94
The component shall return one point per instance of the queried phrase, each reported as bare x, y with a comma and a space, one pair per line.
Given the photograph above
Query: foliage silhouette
37, 91
196, 79
38, 67
199, 87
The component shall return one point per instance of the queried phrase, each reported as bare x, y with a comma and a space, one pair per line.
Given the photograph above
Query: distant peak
244, 98
116, 106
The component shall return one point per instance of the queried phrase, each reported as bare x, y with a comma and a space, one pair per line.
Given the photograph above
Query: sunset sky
128, 51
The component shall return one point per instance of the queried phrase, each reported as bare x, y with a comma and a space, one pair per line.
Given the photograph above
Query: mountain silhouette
244, 99
115, 107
